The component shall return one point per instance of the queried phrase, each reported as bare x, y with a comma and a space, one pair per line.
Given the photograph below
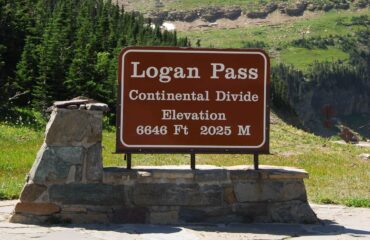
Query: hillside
210, 11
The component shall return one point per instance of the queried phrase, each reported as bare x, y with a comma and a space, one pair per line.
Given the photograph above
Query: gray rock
163, 217
53, 163
114, 175
76, 102
185, 16
298, 10
232, 13
343, 6
252, 211
238, 175
218, 175
292, 212
27, 219
31, 192
271, 7
79, 218
212, 14
74, 128
327, 6
254, 191
129, 215
97, 107
90, 194
257, 14
189, 215
160, 194
94, 163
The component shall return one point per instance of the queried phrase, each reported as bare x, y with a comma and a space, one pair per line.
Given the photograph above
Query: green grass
301, 58
337, 174
18, 148
277, 35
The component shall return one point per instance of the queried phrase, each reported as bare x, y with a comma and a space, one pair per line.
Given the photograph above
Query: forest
55, 50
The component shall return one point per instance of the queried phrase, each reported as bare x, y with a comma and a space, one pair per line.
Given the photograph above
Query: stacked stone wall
68, 184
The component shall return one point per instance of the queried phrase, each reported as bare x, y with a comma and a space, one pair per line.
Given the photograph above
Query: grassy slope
336, 173
278, 37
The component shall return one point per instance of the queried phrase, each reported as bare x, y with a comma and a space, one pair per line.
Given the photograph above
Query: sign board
193, 100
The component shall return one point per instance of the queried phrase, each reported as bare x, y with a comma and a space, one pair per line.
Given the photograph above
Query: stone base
172, 195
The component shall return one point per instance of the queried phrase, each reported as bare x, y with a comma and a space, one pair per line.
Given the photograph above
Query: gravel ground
337, 222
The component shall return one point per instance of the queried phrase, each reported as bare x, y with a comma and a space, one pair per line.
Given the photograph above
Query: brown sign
193, 100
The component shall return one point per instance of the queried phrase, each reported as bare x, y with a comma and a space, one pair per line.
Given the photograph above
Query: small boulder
364, 156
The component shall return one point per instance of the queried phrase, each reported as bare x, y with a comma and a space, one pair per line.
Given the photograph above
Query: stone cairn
68, 184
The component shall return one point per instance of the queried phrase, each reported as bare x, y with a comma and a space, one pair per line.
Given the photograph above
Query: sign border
127, 148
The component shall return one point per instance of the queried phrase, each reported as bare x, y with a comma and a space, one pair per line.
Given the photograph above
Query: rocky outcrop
212, 14
298, 10
257, 14
207, 14
342, 102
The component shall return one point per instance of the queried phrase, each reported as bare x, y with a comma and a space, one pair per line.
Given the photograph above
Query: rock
343, 6
77, 102
31, 192
79, 218
28, 219
37, 208
172, 174
362, 4
252, 212
364, 156
211, 175
129, 215
90, 194
184, 16
189, 215
292, 212
327, 7
97, 107
257, 14
237, 175
53, 164
74, 128
114, 175
229, 195
164, 217
94, 163
298, 10
348, 135
271, 7
73, 209
158, 17
232, 13
212, 14
161, 194
254, 191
